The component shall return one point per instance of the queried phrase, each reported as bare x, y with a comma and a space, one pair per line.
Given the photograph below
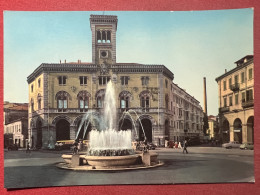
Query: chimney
60, 61
65, 61
205, 96
225, 70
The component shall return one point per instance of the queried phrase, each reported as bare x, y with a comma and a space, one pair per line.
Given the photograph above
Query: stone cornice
62, 68
103, 19
116, 68
251, 61
141, 68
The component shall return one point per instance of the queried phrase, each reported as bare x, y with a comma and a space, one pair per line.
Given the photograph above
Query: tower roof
103, 19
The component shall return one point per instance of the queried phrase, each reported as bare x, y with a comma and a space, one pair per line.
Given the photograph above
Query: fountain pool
109, 149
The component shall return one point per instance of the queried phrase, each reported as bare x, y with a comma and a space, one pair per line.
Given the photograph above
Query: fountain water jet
109, 148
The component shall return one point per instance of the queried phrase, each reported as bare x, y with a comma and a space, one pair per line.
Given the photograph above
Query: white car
231, 144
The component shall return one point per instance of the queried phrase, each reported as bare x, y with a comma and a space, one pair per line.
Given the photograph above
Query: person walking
166, 143
80, 146
75, 148
179, 145
185, 147
28, 148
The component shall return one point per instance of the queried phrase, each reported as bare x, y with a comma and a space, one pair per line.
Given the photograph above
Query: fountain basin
112, 161
67, 158
139, 160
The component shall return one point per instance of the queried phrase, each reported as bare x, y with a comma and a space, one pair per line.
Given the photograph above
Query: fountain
108, 148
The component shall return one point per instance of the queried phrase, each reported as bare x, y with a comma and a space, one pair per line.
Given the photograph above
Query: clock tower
103, 29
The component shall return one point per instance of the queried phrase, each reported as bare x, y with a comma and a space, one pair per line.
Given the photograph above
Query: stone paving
201, 165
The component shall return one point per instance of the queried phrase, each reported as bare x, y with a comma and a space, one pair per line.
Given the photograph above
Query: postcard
128, 97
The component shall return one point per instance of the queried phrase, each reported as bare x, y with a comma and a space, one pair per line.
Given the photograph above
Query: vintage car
12, 147
247, 146
67, 144
231, 144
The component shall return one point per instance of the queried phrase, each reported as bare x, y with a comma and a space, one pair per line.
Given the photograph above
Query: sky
192, 44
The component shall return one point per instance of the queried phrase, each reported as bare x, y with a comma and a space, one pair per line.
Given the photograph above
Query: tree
205, 124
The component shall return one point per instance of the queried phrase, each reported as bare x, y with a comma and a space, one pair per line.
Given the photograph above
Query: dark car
12, 147
151, 146
194, 142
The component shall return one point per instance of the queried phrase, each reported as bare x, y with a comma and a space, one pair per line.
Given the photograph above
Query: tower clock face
103, 53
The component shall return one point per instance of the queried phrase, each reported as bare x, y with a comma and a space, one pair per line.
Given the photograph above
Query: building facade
15, 111
60, 94
16, 132
236, 102
15, 123
213, 130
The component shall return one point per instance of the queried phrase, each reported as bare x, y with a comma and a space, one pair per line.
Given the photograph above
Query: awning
237, 130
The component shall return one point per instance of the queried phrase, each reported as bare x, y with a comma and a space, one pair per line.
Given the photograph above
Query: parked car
151, 146
12, 147
231, 144
194, 141
63, 144
245, 146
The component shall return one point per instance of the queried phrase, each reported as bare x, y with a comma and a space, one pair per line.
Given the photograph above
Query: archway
250, 129
39, 134
62, 130
125, 125
167, 130
147, 125
81, 127
238, 130
226, 132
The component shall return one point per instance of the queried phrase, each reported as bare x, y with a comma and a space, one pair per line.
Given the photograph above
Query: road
201, 165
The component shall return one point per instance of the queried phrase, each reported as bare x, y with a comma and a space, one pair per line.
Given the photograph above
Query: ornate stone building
15, 124
236, 102
60, 94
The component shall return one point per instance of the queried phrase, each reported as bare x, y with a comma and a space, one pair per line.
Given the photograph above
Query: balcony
248, 103
121, 110
223, 109
235, 87
145, 109
187, 118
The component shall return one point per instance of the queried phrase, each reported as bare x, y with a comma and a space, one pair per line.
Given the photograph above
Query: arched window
104, 36
100, 95
124, 98
83, 100
98, 36
62, 98
108, 36
32, 105
145, 100
39, 82
166, 102
39, 100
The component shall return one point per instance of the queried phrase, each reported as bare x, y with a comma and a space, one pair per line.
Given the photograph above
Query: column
244, 133
231, 132
45, 137
73, 132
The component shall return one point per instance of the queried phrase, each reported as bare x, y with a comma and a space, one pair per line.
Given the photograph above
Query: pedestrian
80, 145
185, 146
75, 148
179, 145
176, 145
166, 143
28, 148
145, 148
